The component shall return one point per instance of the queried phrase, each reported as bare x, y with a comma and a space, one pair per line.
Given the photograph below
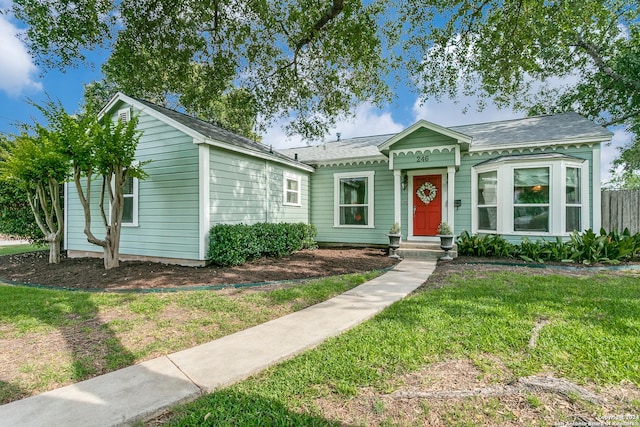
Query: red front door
427, 207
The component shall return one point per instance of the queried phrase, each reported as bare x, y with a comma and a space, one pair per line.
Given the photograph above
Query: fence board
621, 209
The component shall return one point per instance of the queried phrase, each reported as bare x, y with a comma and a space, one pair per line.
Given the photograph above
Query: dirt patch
87, 273
451, 393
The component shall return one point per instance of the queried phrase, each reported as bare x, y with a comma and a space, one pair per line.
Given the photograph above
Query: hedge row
239, 243
587, 247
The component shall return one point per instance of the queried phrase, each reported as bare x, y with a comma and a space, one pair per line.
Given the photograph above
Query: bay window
538, 194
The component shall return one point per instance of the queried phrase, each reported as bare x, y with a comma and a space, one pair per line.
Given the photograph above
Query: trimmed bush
586, 248
238, 243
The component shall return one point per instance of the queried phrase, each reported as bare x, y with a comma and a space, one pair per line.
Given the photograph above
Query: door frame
444, 200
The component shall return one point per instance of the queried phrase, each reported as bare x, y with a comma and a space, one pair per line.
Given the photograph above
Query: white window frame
370, 175
487, 205
287, 176
135, 197
547, 205
557, 191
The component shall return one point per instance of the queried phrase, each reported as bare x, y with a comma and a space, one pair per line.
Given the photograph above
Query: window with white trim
353, 196
488, 201
531, 199
573, 200
130, 203
535, 195
291, 192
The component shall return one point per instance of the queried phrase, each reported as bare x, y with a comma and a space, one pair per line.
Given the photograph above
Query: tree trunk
54, 251
111, 252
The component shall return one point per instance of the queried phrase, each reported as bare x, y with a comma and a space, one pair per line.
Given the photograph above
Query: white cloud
620, 138
367, 121
462, 111
16, 67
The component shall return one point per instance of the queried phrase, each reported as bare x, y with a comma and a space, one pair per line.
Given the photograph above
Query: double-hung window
353, 196
130, 204
488, 201
573, 200
291, 191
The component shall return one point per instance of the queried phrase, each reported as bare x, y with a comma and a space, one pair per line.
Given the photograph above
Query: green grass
106, 331
593, 336
19, 249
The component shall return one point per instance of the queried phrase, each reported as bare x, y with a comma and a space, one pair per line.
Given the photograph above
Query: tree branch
621, 119
592, 51
86, 207
332, 13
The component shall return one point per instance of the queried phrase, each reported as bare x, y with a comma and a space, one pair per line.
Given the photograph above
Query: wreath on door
427, 197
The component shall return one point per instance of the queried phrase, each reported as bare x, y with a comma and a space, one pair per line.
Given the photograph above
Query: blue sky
21, 79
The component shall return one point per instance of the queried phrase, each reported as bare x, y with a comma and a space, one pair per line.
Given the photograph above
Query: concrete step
423, 250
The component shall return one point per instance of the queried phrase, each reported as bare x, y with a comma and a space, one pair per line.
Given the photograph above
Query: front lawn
19, 249
50, 338
413, 363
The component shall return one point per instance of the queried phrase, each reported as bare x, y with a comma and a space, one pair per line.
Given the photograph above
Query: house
537, 177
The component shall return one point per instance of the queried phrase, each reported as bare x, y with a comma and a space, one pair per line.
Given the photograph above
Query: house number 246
422, 159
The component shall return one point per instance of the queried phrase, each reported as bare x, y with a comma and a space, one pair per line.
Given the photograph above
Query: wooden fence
620, 210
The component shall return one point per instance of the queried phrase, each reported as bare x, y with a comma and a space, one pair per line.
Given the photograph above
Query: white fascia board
231, 147
197, 136
423, 124
350, 160
538, 144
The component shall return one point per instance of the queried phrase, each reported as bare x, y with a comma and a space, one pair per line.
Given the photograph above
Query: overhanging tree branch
329, 15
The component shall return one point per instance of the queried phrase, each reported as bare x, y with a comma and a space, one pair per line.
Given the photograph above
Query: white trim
350, 161
136, 197
257, 154
450, 196
444, 200
203, 200
531, 146
557, 202
198, 138
423, 124
397, 197
370, 175
597, 202
288, 176
65, 214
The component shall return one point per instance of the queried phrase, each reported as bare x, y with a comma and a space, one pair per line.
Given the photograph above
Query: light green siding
322, 201
247, 190
422, 138
168, 219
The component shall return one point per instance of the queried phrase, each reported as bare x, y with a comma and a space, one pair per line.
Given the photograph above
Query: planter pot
394, 244
446, 244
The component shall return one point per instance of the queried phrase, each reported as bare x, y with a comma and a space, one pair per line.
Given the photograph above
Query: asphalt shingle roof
531, 130
211, 131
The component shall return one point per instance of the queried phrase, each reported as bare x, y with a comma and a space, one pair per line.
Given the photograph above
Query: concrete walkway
144, 390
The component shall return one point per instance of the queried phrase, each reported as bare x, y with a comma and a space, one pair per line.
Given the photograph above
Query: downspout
267, 191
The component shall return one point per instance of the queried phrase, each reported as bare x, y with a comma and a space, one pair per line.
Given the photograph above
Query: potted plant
446, 240
394, 240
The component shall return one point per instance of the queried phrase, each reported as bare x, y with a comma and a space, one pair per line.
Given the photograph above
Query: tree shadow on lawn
92, 344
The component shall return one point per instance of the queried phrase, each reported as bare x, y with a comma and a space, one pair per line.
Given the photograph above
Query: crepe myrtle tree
99, 151
36, 166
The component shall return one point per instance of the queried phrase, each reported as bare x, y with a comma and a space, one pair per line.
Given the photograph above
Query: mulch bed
89, 273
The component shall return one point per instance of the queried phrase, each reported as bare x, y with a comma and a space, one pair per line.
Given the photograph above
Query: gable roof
423, 124
548, 130
205, 132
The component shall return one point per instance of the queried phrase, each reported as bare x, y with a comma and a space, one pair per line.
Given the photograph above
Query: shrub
586, 247
239, 243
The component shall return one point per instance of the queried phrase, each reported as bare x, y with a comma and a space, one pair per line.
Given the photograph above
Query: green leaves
585, 248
